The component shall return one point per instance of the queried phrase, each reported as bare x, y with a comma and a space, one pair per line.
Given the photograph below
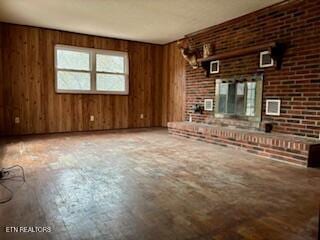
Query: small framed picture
266, 59
214, 67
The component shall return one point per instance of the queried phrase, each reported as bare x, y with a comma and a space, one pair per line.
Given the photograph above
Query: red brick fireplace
296, 84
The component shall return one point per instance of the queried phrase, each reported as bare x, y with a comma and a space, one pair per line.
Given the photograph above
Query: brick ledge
277, 146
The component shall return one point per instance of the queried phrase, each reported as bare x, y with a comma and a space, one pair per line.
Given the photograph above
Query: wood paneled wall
157, 85
173, 94
1, 86
27, 88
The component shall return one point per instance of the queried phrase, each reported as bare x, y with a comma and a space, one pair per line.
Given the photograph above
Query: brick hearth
292, 149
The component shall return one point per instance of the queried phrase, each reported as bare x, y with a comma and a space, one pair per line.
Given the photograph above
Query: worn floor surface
146, 184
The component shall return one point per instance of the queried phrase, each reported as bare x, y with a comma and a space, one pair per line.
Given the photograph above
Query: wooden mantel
239, 52
276, 49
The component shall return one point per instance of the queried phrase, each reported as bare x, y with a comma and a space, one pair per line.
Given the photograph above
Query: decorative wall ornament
197, 108
207, 50
188, 53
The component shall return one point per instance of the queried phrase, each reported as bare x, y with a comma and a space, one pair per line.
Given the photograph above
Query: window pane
73, 81
240, 99
109, 63
231, 98
222, 103
111, 82
74, 60
240, 88
251, 98
223, 89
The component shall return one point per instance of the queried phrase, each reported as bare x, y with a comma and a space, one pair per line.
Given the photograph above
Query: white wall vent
266, 59
208, 104
273, 107
214, 67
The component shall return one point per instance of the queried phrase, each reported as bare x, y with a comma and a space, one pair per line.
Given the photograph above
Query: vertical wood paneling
173, 92
28, 90
1, 84
157, 86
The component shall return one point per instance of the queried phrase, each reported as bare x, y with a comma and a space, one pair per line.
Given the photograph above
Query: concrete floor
146, 184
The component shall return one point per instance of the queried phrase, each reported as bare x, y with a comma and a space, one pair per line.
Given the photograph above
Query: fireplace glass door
239, 98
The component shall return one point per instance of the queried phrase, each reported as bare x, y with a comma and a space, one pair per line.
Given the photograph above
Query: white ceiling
154, 21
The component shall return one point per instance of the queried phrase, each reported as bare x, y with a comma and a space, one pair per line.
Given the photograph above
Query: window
239, 98
86, 70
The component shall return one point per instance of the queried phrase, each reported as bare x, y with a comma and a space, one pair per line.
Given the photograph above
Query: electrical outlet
91, 118
141, 116
16, 120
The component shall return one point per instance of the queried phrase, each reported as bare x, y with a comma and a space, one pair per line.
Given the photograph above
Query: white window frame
92, 69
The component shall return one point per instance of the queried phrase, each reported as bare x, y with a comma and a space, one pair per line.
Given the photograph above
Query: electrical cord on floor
5, 175
5, 200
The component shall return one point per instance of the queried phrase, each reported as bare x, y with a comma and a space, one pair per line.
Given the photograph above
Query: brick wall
297, 84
